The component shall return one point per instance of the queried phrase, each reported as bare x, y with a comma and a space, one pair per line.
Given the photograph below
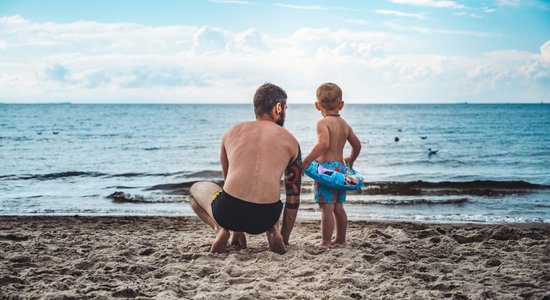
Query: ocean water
492, 163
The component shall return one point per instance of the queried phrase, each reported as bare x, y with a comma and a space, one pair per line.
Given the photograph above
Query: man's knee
193, 189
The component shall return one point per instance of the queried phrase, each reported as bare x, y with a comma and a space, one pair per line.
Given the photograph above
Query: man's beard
281, 121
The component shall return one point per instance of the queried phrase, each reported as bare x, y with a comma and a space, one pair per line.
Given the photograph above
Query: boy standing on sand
332, 134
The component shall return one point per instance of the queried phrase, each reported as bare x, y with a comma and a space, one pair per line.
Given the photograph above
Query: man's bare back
254, 156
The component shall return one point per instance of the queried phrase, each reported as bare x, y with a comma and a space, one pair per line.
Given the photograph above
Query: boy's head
329, 96
267, 97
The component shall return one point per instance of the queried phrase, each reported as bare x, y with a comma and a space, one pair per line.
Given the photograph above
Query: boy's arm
355, 144
323, 142
293, 184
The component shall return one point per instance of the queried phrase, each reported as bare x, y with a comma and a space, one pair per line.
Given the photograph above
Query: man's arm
223, 159
293, 185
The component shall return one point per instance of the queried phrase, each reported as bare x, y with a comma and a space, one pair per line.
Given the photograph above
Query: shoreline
301, 219
167, 258
312, 216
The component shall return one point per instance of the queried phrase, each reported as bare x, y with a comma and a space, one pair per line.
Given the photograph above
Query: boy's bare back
338, 131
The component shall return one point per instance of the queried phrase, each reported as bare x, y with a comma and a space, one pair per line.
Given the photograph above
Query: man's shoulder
288, 135
237, 127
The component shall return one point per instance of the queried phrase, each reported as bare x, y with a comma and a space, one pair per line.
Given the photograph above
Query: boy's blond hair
329, 95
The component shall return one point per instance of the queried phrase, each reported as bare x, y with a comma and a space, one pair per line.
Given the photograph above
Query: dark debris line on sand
166, 257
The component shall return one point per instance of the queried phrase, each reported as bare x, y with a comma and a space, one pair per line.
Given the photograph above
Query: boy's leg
341, 219
327, 223
200, 196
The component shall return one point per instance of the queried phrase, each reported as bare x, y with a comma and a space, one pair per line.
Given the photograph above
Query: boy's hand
349, 162
305, 163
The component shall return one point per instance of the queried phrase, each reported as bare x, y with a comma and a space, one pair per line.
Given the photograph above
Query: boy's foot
326, 244
220, 242
338, 242
275, 241
239, 239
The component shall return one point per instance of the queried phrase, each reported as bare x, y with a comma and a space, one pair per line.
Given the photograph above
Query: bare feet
238, 239
338, 242
326, 244
220, 242
275, 241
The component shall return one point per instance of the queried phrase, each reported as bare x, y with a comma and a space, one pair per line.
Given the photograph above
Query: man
254, 156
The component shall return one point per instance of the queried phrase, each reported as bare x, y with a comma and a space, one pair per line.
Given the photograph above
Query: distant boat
55, 131
39, 132
399, 130
423, 137
396, 139
432, 152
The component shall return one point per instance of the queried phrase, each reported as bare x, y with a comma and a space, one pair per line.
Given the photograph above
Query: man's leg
275, 239
200, 196
327, 223
239, 239
341, 223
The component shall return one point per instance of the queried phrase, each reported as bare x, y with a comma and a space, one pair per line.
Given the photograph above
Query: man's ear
317, 106
278, 108
341, 105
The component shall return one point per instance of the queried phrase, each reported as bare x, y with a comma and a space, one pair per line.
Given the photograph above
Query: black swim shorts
237, 215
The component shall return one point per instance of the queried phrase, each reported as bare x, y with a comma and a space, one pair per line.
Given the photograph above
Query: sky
220, 51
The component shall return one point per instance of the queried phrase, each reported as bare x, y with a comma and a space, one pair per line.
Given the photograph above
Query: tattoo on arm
293, 176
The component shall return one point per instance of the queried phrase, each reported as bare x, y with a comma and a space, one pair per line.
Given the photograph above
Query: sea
443, 163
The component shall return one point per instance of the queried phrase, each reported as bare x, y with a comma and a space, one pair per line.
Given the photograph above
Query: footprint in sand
315, 250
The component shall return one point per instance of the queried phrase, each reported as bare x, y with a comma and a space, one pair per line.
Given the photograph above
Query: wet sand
167, 257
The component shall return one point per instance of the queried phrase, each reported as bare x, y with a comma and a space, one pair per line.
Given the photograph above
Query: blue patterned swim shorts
328, 195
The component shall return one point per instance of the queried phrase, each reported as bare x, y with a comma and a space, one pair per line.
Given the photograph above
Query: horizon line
241, 103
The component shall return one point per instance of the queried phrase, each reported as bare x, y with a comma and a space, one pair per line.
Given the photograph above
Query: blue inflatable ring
351, 180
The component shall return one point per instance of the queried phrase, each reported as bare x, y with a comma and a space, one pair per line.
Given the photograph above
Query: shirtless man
254, 156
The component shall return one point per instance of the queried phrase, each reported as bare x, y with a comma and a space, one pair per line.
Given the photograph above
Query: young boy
332, 134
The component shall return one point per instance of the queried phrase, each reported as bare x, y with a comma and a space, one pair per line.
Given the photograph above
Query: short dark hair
266, 97
329, 95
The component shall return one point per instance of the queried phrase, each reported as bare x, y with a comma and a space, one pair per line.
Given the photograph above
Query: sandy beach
167, 257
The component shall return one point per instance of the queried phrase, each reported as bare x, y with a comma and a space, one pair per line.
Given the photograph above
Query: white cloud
3, 44
209, 39
400, 14
231, 1
426, 30
508, 2
92, 61
301, 7
355, 21
510, 55
430, 3
545, 50
13, 20
462, 13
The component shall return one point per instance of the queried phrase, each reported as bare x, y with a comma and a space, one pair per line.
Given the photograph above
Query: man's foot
220, 242
275, 241
239, 239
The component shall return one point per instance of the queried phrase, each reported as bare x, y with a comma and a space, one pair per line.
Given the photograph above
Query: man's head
270, 102
329, 96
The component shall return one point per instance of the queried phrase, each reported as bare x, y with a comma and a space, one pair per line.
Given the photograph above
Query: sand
167, 257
